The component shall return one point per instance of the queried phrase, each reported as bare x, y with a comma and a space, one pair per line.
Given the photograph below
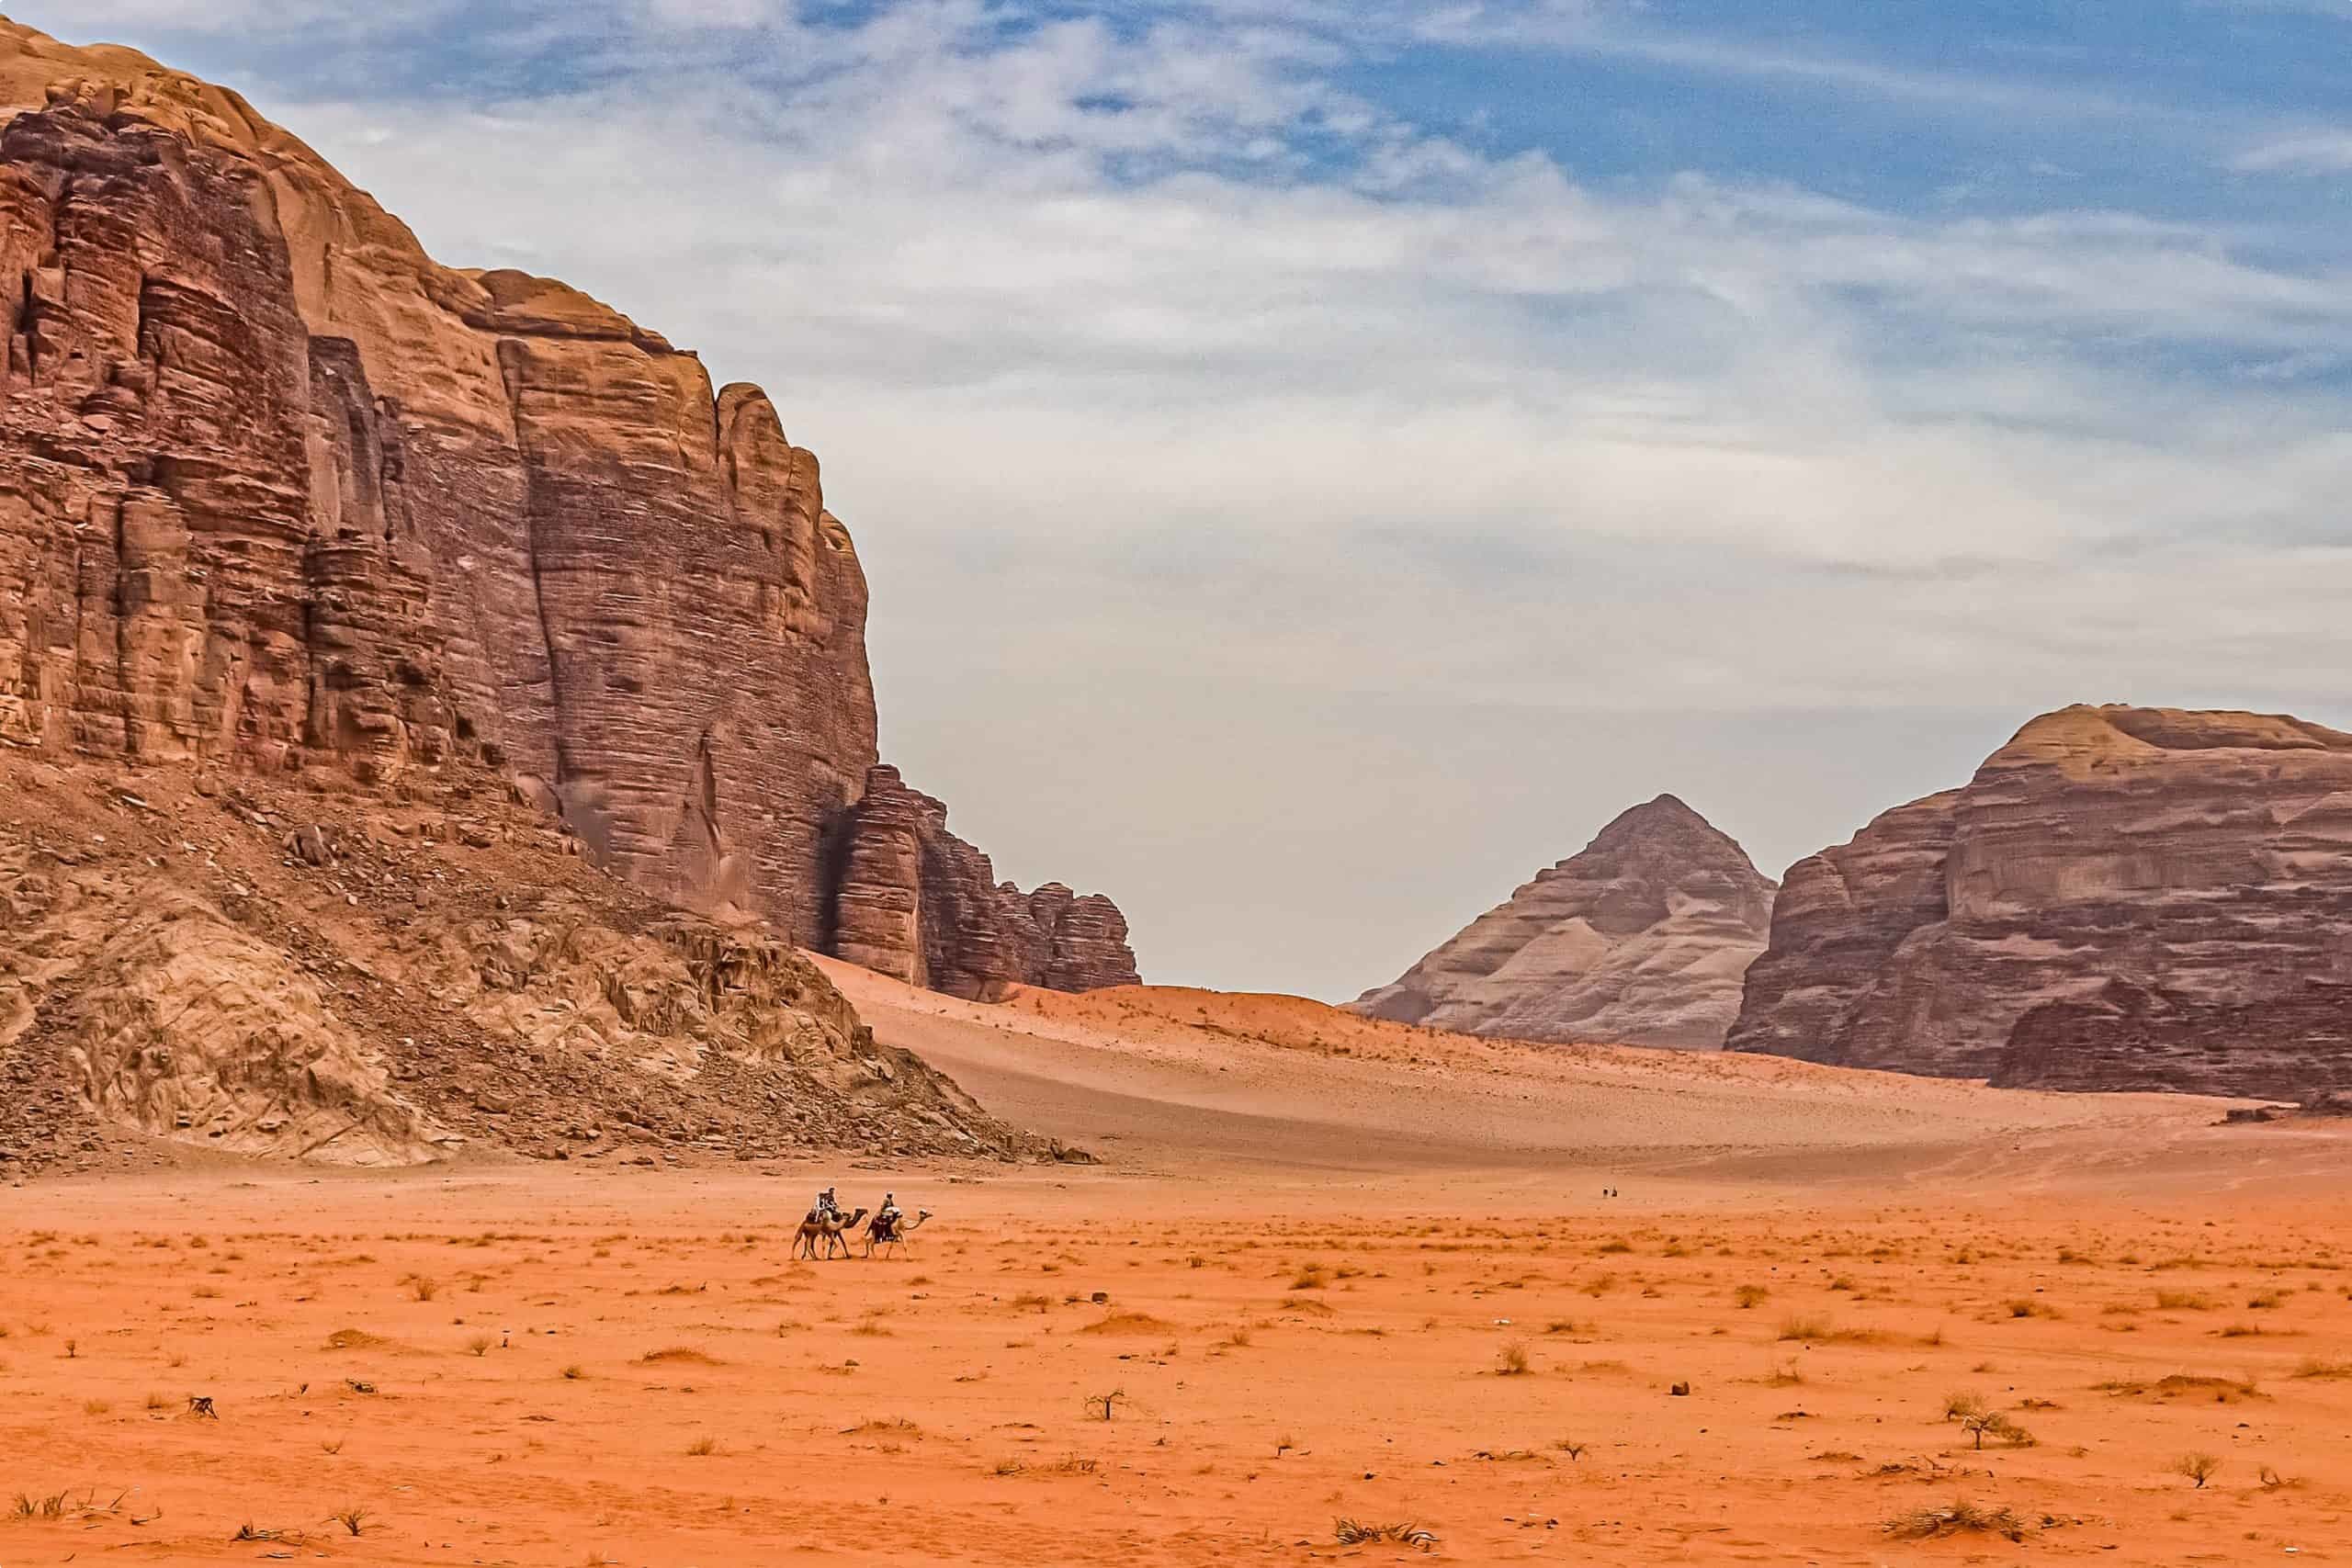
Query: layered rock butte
1641, 940
279, 491
2121, 899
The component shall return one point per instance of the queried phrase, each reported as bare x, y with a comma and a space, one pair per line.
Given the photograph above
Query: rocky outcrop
2122, 897
920, 905
278, 491
248, 964
1641, 938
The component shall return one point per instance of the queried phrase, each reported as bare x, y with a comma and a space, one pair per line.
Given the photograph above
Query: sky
1317, 463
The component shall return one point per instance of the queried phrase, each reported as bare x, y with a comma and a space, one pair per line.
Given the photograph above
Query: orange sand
1317, 1269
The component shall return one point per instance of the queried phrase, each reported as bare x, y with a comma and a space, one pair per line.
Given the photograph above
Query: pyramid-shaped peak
1665, 816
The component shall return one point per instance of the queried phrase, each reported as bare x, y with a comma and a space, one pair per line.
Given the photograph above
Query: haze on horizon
1317, 464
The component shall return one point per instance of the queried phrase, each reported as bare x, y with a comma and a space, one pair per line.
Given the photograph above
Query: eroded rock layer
278, 491
2121, 899
1639, 940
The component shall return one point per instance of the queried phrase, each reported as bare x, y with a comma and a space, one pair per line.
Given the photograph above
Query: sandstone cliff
2121, 899
1639, 940
278, 491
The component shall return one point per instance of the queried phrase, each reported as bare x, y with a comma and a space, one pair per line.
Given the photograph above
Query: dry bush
2198, 1468
1748, 1296
678, 1355
424, 1287
350, 1518
2182, 1300
1961, 1518
1997, 1426
1350, 1532
1511, 1361
702, 1447
481, 1344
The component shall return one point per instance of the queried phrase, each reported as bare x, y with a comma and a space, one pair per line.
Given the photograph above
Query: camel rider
886, 1219
829, 1207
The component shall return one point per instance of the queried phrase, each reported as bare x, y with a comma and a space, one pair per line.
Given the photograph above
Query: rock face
1639, 940
276, 490
2121, 899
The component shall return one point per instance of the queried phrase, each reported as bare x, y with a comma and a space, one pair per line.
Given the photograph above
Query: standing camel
831, 1229
896, 1236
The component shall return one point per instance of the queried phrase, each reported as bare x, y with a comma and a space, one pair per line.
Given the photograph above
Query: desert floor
1327, 1270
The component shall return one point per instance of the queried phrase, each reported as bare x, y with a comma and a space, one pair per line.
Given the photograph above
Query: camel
812, 1228
897, 1237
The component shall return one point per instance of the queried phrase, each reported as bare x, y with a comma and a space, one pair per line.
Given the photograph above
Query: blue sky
1317, 463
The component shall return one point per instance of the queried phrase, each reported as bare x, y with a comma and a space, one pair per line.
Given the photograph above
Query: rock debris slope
267, 967
1641, 938
2121, 899
277, 490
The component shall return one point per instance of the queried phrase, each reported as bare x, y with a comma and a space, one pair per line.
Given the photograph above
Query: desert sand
1329, 1269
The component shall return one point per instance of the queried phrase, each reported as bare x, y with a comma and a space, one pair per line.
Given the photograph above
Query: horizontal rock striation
1641, 940
2121, 899
278, 491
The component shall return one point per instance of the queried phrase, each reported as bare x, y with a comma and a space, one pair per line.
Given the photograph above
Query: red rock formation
919, 903
278, 489
1640, 939
2121, 899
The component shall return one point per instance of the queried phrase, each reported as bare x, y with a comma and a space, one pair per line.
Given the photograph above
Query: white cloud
2311, 152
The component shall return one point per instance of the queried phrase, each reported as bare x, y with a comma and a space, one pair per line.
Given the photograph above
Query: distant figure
886, 1219
828, 1207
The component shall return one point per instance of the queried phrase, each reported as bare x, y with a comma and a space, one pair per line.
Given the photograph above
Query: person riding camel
885, 1220
827, 1206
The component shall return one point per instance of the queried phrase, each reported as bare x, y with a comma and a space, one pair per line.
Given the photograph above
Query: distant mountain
1641, 938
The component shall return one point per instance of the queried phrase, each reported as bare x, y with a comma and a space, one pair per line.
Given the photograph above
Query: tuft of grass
1511, 1361
1750, 1296
679, 1356
2313, 1367
1353, 1532
424, 1287
703, 1445
482, 1344
573, 1372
